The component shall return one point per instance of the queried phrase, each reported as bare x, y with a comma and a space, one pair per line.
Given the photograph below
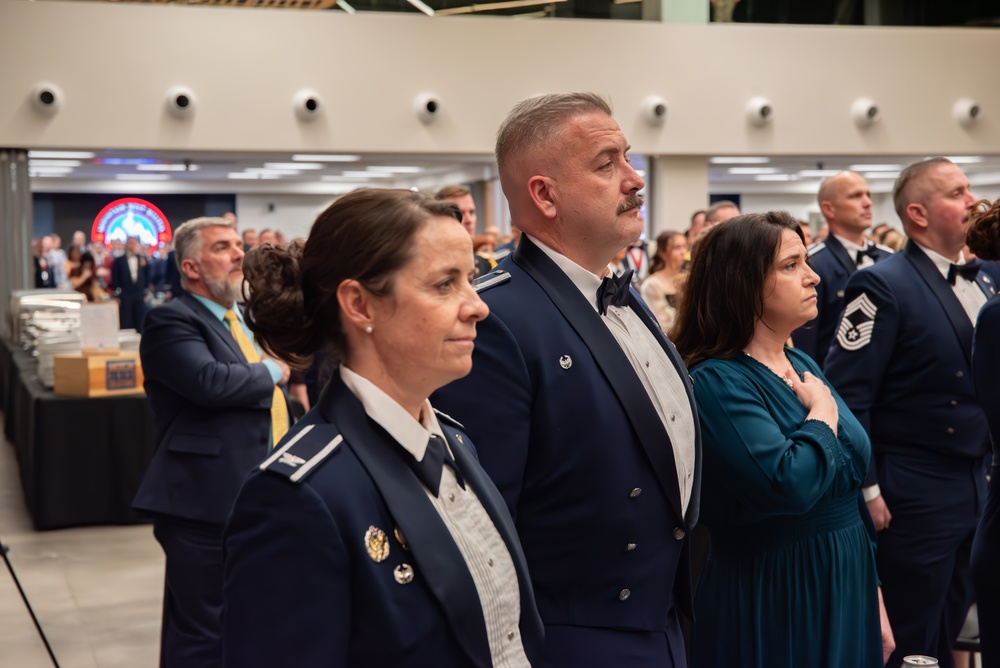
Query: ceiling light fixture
735, 160
302, 157
142, 177
294, 165
490, 6
65, 155
167, 168
426, 9
753, 170
368, 175
53, 163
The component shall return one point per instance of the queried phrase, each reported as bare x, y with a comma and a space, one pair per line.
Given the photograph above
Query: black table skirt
81, 460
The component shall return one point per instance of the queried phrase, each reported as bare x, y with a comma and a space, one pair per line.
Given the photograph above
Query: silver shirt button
679, 533
624, 594
635, 492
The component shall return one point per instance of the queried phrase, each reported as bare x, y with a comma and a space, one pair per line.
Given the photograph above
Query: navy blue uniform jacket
567, 432
911, 385
300, 586
211, 409
834, 265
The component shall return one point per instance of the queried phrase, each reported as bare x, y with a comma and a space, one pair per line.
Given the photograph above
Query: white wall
292, 214
801, 205
116, 61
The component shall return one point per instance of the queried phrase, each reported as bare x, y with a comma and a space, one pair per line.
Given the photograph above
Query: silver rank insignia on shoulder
566, 361
459, 437
403, 574
289, 459
857, 324
495, 277
377, 544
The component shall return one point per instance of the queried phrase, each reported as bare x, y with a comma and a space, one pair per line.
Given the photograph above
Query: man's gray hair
187, 237
902, 194
533, 121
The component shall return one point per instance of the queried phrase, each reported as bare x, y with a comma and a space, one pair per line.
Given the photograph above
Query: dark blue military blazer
567, 432
301, 587
211, 410
901, 358
834, 265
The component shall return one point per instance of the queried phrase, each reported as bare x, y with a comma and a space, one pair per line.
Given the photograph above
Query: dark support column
16, 269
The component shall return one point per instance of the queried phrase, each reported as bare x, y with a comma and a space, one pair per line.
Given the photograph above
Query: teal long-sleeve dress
790, 580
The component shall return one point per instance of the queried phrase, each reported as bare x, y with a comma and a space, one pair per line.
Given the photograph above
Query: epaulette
815, 248
303, 452
447, 419
884, 249
487, 281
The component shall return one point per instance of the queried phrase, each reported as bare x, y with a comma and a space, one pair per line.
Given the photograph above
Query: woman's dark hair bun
276, 311
984, 230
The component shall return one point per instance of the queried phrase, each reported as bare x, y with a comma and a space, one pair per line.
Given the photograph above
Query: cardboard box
98, 375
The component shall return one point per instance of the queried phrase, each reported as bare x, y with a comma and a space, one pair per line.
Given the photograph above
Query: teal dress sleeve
777, 461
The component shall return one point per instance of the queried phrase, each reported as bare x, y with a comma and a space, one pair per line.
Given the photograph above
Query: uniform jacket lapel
839, 252
945, 294
583, 318
438, 559
213, 323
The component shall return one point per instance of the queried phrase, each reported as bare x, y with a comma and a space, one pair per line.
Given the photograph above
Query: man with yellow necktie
218, 407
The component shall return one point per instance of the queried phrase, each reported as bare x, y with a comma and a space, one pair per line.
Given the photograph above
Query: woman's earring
369, 329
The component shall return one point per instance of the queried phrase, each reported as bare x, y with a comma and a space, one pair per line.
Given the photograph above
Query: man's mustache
631, 202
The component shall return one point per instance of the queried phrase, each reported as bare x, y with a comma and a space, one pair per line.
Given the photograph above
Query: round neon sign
131, 217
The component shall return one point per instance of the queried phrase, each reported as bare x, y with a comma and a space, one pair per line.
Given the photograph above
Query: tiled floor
96, 591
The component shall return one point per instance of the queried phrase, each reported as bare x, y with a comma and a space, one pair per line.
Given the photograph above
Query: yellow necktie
279, 411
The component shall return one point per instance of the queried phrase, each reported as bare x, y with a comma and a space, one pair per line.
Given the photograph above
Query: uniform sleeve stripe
277, 453
320, 456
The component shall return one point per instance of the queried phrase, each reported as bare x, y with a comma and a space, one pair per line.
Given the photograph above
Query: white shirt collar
850, 246
392, 417
941, 262
584, 280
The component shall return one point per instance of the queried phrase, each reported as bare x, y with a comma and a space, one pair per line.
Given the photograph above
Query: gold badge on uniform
403, 574
377, 544
401, 538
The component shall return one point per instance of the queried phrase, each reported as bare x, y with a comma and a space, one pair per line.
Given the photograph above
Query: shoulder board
815, 248
447, 419
487, 281
884, 249
303, 452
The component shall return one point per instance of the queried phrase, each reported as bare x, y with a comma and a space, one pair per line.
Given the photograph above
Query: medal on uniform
377, 544
401, 538
403, 574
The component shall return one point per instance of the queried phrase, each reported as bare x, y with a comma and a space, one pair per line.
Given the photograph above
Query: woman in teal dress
790, 579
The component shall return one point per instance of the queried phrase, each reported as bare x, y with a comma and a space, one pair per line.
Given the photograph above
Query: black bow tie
613, 290
968, 271
869, 251
429, 468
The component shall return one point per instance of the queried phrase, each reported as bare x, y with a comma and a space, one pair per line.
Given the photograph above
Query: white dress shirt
655, 371
968, 292
476, 536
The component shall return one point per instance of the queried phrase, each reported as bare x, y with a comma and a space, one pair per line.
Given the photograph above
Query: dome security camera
654, 110
864, 112
427, 106
181, 101
759, 111
47, 98
307, 105
966, 111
